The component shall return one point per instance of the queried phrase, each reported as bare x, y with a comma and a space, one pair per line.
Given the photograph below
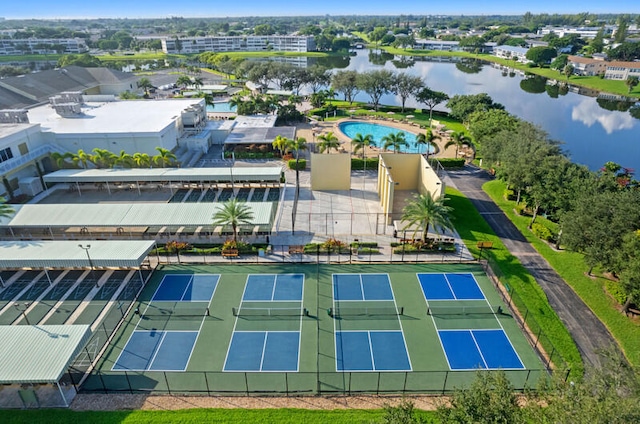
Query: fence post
104, 386
535, 346
349, 387
126, 375
550, 356
526, 381
246, 383
72, 381
404, 387
444, 386
166, 380
206, 382
524, 319
378, 386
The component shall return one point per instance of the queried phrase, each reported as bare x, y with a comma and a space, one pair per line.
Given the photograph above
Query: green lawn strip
185, 416
572, 269
473, 228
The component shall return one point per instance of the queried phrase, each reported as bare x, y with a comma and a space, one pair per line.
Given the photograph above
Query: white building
11, 46
511, 52
587, 67
28, 137
583, 32
250, 43
440, 45
622, 70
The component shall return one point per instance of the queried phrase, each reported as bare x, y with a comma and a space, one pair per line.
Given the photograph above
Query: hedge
452, 163
302, 164
358, 163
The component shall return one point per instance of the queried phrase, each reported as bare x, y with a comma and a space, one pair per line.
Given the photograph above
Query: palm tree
164, 157
197, 82
360, 142
427, 139
631, 83
423, 212
145, 84
458, 139
282, 144
142, 160
103, 158
328, 141
184, 81
82, 158
124, 159
395, 141
61, 159
5, 210
233, 212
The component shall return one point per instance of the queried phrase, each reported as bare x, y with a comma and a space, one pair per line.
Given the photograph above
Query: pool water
350, 129
221, 107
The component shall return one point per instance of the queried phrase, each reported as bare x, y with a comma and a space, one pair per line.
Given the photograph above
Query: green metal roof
222, 174
39, 353
68, 254
126, 214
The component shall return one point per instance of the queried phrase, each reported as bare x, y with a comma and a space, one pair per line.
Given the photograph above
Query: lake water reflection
591, 133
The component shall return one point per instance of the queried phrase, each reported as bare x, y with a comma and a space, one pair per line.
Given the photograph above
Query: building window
6, 154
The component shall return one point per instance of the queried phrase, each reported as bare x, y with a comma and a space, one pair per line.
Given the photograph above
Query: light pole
86, 249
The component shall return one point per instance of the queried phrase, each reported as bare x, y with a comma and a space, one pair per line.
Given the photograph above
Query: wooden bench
296, 249
230, 253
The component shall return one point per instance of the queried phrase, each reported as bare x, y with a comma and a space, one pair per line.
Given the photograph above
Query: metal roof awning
224, 174
39, 353
69, 254
126, 215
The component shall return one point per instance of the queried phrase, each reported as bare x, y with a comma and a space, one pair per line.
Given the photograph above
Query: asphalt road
588, 332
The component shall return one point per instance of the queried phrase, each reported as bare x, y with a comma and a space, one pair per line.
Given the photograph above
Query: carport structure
34, 360
140, 178
125, 220
69, 254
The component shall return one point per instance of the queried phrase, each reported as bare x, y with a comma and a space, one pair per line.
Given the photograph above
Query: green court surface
224, 343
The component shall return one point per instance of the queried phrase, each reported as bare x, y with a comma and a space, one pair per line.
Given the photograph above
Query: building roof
39, 353
581, 59
259, 135
127, 116
619, 64
126, 215
252, 174
514, 49
67, 254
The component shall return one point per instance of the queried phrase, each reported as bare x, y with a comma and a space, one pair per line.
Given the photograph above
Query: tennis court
312, 329
159, 343
266, 336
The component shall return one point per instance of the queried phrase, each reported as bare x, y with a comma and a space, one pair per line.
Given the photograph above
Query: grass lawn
473, 228
572, 269
256, 416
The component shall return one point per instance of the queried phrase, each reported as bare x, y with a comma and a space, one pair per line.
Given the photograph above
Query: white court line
450, 288
479, 350
373, 361
404, 340
264, 347
190, 282
435, 326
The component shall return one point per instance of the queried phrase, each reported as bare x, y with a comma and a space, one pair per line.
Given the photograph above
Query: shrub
358, 163
451, 163
542, 232
302, 164
364, 244
509, 194
367, 250
614, 288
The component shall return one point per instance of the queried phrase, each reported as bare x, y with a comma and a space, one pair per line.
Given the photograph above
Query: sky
21, 9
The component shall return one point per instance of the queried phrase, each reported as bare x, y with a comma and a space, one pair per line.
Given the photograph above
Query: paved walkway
588, 332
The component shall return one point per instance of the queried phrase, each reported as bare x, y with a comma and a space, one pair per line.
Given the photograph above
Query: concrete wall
403, 168
429, 181
330, 171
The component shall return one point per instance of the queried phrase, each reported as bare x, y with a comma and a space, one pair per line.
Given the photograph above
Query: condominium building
511, 52
584, 32
587, 67
622, 70
251, 43
10, 46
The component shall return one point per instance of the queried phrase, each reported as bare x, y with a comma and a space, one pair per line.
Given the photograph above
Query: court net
464, 310
185, 310
269, 312
364, 311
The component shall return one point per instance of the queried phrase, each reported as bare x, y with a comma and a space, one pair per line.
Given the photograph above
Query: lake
592, 130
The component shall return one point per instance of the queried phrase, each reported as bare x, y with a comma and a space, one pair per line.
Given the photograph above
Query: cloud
588, 112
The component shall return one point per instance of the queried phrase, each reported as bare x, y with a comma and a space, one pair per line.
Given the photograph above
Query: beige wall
405, 172
330, 171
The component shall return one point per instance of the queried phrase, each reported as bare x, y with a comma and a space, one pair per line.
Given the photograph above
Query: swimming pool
351, 128
221, 107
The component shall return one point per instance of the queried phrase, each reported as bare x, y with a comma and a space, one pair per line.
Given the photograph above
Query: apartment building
622, 70
251, 43
13, 47
587, 67
511, 52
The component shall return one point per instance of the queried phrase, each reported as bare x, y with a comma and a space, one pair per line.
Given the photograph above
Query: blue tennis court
362, 287
450, 286
156, 351
263, 351
473, 349
371, 351
186, 288
273, 287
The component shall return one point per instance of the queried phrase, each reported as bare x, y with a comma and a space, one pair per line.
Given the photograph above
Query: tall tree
83, 158
405, 85
431, 99
145, 84
458, 139
423, 212
233, 213
164, 157
141, 160
376, 84
631, 83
